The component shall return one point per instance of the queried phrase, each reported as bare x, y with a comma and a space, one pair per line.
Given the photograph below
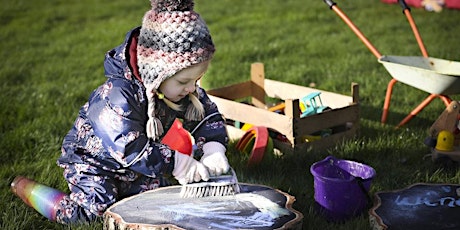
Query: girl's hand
188, 170
214, 158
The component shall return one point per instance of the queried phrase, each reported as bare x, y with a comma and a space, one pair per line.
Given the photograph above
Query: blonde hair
195, 111
154, 128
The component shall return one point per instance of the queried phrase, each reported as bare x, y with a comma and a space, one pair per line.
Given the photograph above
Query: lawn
53, 50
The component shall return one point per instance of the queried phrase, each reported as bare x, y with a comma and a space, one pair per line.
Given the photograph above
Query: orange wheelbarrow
435, 76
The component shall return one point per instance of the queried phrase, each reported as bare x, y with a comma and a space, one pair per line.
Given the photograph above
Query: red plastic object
177, 138
255, 139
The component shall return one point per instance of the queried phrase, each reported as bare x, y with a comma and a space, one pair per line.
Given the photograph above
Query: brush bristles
208, 189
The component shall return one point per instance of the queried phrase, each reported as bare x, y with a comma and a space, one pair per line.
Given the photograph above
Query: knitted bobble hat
172, 37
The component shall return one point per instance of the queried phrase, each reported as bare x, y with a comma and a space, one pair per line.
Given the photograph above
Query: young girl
114, 149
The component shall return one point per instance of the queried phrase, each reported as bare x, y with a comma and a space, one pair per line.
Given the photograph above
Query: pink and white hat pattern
172, 37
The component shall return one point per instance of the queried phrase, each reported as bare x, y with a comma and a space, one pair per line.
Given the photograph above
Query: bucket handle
359, 180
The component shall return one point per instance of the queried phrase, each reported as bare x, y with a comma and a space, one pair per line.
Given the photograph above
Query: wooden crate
343, 118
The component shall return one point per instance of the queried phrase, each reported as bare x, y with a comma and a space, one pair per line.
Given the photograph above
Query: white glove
187, 169
214, 158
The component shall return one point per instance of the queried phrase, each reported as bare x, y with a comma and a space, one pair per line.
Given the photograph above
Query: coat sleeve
117, 114
212, 127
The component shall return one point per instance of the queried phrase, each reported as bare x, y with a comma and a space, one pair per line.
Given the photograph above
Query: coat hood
117, 59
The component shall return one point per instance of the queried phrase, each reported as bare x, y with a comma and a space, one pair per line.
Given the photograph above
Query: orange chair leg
417, 109
386, 105
446, 99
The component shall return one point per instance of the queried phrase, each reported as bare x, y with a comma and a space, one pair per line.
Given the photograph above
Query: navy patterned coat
109, 133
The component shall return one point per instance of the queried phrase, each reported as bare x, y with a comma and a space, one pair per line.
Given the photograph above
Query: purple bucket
341, 187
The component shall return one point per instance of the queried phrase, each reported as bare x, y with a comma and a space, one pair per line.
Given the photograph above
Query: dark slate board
418, 207
164, 207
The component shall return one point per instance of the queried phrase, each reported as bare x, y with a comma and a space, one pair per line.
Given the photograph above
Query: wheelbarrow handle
330, 3
404, 5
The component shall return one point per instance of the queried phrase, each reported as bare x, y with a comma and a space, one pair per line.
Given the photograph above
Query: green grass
52, 53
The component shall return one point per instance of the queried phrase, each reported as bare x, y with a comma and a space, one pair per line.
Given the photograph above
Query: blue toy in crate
312, 104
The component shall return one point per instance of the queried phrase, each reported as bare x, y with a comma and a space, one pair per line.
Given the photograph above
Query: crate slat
342, 119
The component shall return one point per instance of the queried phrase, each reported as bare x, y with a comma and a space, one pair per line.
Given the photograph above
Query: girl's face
183, 82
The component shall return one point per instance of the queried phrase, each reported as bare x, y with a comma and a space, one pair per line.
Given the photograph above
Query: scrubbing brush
223, 185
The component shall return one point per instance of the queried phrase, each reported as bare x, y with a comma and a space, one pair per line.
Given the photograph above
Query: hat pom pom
171, 5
